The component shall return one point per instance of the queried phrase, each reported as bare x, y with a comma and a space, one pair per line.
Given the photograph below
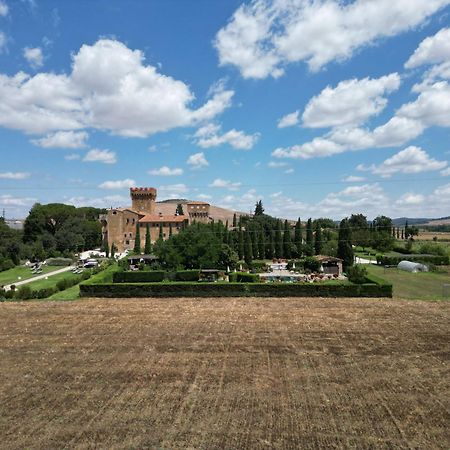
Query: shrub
6, 264
24, 293
425, 259
187, 275
62, 284
357, 274
312, 264
138, 277
243, 277
259, 266
44, 293
299, 264
59, 261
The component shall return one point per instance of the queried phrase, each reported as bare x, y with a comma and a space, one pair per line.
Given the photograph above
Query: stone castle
119, 224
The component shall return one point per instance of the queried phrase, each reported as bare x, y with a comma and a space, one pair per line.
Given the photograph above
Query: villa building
119, 224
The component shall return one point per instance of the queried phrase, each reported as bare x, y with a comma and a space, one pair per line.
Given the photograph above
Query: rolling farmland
225, 373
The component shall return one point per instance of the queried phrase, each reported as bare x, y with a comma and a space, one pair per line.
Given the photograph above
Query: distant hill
420, 221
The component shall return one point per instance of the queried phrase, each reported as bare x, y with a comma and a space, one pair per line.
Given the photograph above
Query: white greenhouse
410, 266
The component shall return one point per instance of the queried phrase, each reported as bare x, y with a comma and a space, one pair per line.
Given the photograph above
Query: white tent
410, 266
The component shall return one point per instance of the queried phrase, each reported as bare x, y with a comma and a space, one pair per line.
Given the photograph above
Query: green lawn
12, 275
69, 294
413, 286
51, 281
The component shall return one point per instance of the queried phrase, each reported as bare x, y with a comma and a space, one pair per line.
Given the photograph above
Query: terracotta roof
155, 218
197, 203
322, 258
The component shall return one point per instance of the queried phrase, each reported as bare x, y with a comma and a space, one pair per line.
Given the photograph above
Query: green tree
161, 232
137, 239
298, 238
309, 248
287, 242
259, 210
113, 250
318, 244
345, 250
241, 243
271, 249
278, 240
105, 246
360, 230
234, 220
261, 244
248, 250
179, 211
255, 246
148, 241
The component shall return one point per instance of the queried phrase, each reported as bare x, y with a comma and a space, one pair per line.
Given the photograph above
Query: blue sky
319, 108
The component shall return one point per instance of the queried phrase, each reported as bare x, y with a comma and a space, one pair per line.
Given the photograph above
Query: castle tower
143, 199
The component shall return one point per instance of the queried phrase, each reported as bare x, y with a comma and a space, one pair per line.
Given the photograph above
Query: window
127, 242
128, 220
131, 235
125, 235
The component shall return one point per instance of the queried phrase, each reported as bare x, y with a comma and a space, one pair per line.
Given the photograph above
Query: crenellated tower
143, 199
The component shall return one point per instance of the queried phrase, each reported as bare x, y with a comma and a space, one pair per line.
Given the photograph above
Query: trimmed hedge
187, 275
139, 277
437, 260
59, 261
243, 277
381, 289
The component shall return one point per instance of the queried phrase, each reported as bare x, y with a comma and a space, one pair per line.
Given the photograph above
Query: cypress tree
278, 241
234, 220
255, 245
241, 243
137, 240
287, 240
403, 235
318, 241
170, 230
113, 250
261, 244
148, 241
259, 210
179, 211
298, 238
271, 249
105, 246
345, 250
248, 251
161, 232
309, 250
406, 230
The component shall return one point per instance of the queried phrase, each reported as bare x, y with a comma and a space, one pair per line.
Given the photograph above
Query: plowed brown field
225, 374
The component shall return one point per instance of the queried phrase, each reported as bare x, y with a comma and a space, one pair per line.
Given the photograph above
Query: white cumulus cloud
263, 36
34, 56
103, 156
63, 139
107, 78
289, 120
225, 184
165, 171
209, 136
14, 175
197, 160
351, 102
432, 50
3, 9
119, 184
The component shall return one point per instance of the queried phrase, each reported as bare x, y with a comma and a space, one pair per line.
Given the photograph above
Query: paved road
39, 277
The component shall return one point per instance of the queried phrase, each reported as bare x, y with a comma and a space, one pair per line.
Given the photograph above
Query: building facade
119, 224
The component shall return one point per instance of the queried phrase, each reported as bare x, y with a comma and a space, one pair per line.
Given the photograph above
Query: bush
259, 266
299, 264
24, 293
424, 259
62, 285
6, 264
357, 274
243, 277
138, 277
312, 264
187, 275
59, 261
44, 293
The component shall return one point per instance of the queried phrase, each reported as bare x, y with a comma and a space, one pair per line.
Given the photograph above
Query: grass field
225, 373
12, 275
71, 293
413, 286
51, 281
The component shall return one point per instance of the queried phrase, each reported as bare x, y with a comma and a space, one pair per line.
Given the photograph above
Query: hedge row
139, 277
437, 260
381, 289
243, 277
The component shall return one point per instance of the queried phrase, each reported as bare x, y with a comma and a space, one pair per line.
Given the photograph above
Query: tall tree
161, 232
271, 247
360, 230
287, 241
318, 244
298, 238
148, 241
259, 210
255, 247
240, 243
179, 211
261, 244
309, 248
278, 240
234, 220
105, 246
137, 240
345, 250
170, 230
113, 250
248, 248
